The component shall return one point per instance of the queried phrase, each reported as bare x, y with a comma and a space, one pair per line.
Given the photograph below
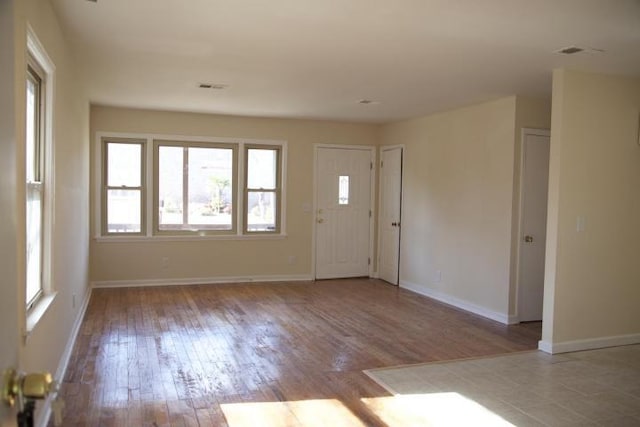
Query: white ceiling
317, 59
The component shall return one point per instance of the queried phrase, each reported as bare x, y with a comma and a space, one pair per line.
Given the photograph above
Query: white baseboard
199, 281
456, 302
588, 344
43, 420
513, 319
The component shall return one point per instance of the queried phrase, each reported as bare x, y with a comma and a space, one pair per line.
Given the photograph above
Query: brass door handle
17, 385
320, 220
528, 239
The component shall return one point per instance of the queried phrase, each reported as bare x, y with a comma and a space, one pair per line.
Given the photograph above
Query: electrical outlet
438, 276
73, 301
165, 262
292, 259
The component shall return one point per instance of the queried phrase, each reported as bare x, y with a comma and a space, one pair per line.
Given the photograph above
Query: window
195, 187
343, 190
163, 186
262, 192
123, 189
35, 185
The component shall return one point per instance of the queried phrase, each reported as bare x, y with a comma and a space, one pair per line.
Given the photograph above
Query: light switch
581, 223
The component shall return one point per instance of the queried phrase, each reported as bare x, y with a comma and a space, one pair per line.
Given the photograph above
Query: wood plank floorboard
171, 356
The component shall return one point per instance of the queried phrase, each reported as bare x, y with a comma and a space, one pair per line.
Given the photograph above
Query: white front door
343, 206
533, 226
390, 210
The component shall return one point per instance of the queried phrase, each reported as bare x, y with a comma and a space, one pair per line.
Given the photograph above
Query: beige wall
112, 261
457, 213
44, 347
592, 277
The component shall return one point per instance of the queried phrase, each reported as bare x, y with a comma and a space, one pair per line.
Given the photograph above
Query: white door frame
372, 150
384, 148
524, 132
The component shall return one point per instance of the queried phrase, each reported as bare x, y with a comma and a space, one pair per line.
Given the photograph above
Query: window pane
263, 166
261, 211
343, 190
123, 211
170, 186
206, 202
34, 240
210, 188
32, 131
124, 164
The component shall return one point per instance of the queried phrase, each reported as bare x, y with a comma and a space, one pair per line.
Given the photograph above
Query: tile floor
589, 388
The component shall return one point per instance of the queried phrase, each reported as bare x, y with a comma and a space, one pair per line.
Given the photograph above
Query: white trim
588, 344
456, 302
513, 319
379, 239
199, 281
186, 238
524, 132
38, 311
372, 197
45, 413
36, 49
148, 139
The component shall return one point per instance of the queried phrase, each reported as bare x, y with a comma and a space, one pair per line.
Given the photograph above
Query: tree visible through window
195, 187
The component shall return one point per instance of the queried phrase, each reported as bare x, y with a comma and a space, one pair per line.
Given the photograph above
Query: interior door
343, 203
9, 316
534, 190
390, 213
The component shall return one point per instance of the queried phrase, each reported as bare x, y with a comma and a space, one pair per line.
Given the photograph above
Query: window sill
36, 313
131, 239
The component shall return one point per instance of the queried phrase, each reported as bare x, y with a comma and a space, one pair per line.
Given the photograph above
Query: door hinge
381, 164
371, 166
369, 213
369, 261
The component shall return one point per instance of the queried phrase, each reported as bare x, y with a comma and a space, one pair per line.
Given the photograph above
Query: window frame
277, 190
36, 74
104, 206
149, 233
157, 143
37, 58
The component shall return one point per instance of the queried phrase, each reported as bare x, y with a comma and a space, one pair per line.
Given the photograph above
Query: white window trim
149, 235
36, 50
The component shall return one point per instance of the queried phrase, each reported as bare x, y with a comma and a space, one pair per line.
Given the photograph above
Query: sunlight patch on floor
320, 413
433, 410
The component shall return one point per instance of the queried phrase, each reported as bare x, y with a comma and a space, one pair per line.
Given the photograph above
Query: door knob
320, 220
528, 239
17, 385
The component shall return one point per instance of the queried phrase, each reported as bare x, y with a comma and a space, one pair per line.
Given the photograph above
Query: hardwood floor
179, 355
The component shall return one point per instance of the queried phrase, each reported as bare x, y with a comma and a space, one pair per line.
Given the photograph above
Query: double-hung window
195, 187
123, 189
263, 188
35, 185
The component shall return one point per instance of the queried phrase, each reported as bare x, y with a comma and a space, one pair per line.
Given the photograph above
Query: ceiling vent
212, 86
570, 50
368, 102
